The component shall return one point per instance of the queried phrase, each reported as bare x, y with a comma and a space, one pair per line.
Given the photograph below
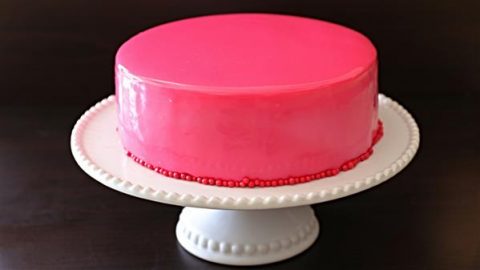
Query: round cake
248, 100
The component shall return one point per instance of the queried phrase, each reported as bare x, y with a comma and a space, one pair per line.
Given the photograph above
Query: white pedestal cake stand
240, 226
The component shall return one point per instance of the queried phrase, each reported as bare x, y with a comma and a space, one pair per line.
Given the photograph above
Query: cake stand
240, 226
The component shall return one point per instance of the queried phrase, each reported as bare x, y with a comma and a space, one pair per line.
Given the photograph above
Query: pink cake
245, 100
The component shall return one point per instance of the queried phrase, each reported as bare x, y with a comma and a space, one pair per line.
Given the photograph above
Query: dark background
56, 59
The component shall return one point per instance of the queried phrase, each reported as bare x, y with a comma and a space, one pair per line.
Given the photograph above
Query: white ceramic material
240, 237
247, 237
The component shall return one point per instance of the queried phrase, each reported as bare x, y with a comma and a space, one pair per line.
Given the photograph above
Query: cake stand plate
240, 226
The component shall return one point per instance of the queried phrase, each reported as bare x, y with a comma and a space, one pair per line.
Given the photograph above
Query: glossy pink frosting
247, 95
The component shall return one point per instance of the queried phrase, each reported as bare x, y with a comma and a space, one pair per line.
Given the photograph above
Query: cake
248, 100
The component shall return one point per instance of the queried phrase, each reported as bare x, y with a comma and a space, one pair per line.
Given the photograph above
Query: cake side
254, 136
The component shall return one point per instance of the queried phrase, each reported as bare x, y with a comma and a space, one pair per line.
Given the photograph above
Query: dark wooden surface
56, 60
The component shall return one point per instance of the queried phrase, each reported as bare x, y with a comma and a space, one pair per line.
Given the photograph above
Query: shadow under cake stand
240, 226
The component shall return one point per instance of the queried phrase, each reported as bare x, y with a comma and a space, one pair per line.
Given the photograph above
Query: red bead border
247, 182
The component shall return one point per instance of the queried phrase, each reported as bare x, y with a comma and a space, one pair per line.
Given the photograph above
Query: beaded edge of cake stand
241, 202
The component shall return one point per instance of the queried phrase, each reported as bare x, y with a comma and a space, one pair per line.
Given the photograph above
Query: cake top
246, 52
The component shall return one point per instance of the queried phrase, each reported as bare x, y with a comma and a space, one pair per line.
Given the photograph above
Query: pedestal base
247, 237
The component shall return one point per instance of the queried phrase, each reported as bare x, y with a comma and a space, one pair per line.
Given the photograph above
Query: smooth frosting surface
247, 95
264, 51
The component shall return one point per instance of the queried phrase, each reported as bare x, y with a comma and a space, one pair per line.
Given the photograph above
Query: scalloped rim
252, 202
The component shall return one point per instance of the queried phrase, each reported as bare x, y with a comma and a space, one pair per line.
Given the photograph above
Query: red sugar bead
242, 184
231, 183
274, 183
251, 184
351, 164
245, 180
281, 182
175, 175
257, 182
291, 181
225, 183
217, 182
204, 181
188, 177
262, 184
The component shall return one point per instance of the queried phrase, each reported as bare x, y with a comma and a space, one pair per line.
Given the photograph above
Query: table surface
56, 61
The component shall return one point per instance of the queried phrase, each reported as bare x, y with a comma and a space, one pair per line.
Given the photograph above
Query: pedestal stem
247, 237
